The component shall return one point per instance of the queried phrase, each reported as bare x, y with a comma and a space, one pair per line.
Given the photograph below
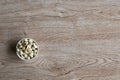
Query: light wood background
78, 39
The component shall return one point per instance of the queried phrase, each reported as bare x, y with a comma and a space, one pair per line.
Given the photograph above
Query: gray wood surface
78, 39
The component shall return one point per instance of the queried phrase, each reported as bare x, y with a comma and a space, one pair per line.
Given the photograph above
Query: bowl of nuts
27, 49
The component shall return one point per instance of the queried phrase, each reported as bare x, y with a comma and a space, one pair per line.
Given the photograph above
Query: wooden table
78, 39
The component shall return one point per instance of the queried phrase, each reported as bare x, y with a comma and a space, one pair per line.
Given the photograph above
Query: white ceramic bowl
18, 54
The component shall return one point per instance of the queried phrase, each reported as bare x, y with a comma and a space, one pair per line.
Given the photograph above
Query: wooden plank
78, 39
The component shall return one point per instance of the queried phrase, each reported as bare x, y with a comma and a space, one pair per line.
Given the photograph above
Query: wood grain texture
78, 39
